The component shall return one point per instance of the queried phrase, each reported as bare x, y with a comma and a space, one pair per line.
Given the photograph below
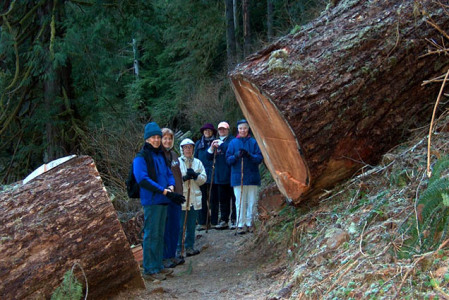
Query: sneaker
222, 225
192, 252
154, 277
241, 230
233, 225
168, 263
166, 272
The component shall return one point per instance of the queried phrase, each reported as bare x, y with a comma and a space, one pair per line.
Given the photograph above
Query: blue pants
190, 229
172, 228
153, 237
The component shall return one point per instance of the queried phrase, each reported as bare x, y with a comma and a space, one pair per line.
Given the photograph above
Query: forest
83, 77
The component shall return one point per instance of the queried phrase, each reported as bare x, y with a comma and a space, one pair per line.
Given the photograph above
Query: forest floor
228, 267
354, 244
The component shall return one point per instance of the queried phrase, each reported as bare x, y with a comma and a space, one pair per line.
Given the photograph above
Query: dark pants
172, 229
189, 241
153, 237
202, 215
222, 195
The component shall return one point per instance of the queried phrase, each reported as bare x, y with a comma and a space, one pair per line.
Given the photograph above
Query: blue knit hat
152, 129
242, 121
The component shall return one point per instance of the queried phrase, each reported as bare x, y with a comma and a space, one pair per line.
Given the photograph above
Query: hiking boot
192, 252
201, 227
166, 272
241, 230
154, 277
222, 225
232, 225
178, 260
168, 263
249, 229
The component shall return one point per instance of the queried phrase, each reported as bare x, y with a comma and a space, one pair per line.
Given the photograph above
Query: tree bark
246, 28
269, 20
60, 218
230, 35
334, 97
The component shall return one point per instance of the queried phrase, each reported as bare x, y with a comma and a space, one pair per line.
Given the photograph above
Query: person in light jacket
244, 150
194, 176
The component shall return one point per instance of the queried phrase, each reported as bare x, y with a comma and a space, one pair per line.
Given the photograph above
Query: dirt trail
228, 267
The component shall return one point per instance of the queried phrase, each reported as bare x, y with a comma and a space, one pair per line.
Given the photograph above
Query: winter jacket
222, 173
172, 159
201, 147
153, 182
251, 175
192, 185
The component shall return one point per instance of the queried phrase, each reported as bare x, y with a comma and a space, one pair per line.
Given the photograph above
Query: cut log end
274, 137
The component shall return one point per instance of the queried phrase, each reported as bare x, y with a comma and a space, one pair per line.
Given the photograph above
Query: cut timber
60, 218
335, 96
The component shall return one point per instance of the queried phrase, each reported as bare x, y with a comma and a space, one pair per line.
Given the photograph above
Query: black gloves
191, 173
176, 198
243, 153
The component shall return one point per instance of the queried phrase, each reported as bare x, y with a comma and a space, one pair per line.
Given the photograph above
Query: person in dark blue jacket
222, 193
156, 183
243, 150
201, 146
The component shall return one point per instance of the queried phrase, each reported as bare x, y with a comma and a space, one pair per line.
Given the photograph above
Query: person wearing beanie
244, 150
222, 198
194, 176
208, 132
156, 183
172, 226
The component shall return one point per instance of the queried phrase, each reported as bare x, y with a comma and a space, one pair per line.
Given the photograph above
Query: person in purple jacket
244, 150
156, 183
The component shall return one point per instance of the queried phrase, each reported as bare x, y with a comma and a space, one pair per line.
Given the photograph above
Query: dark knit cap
208, 126
152, 129
242, 121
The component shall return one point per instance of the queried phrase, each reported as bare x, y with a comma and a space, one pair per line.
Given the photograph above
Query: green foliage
70, 288
433, 212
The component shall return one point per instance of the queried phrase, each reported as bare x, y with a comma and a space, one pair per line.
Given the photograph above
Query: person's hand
176, 198
243, 153
191, 173
186, 177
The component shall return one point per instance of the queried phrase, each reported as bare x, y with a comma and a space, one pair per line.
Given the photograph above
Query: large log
60, 218
342, 91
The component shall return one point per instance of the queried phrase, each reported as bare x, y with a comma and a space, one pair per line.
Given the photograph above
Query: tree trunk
337, 95
230, 35
269, 20
246, 29
237, 29
60, 218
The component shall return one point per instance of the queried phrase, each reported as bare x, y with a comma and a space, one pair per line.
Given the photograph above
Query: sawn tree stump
342, 91
58, 219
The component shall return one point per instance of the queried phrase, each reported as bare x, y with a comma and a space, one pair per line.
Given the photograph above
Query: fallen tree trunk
61, 218
338, 94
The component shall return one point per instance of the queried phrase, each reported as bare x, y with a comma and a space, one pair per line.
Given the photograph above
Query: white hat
187, 142
223, 125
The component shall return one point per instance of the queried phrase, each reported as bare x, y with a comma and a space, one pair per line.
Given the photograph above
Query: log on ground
338, 94
61, 218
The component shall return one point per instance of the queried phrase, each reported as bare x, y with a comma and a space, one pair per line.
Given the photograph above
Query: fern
70, 288
433, 212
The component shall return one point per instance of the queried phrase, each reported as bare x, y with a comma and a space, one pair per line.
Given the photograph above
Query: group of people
213, 184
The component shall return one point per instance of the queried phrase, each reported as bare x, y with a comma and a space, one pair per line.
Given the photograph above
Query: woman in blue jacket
244, 150
156, 183
208, 133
